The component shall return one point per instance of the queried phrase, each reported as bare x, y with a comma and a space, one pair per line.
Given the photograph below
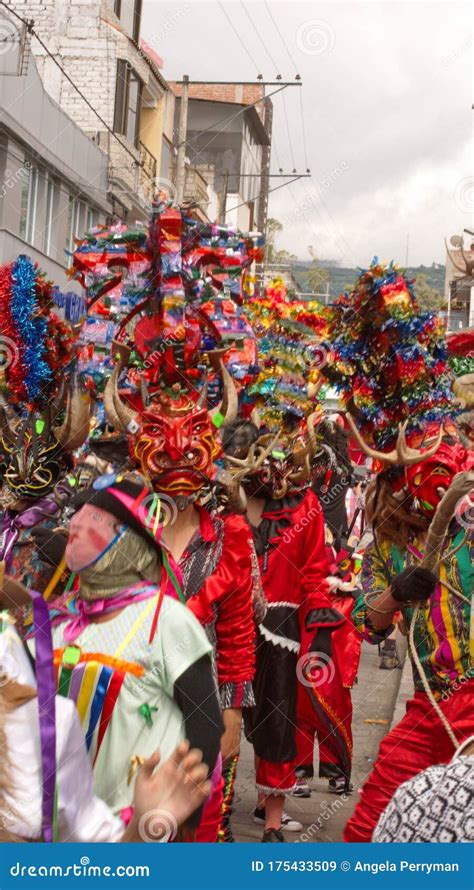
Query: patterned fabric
442, 629
215, 588
437, 806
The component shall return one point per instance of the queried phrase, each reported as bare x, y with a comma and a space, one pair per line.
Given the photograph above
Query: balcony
146, 173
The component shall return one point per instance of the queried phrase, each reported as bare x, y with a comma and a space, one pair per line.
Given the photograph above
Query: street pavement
323, 815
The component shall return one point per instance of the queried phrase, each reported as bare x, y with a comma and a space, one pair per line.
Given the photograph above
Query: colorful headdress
38, 352
177, 389
389, 362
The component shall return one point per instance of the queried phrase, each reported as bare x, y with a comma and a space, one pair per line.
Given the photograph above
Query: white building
53, 178
97, 44
459, 282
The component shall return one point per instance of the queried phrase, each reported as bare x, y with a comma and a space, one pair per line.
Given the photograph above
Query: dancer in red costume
295, 637
324, 707
421, 560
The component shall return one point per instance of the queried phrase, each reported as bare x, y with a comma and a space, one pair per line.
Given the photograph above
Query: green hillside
342, 278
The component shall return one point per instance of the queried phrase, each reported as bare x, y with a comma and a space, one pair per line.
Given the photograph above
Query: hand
413, 585
167, 795
230, 741
51, 545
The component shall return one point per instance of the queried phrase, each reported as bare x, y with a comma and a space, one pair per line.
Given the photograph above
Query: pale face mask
93, 531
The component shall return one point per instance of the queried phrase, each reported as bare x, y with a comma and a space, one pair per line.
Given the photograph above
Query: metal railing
147, 162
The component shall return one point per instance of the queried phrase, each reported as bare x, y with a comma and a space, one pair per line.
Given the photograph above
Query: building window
51, 201
127, 102
29, 204
129, 12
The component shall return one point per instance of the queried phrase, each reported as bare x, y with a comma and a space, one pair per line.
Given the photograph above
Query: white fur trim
284, 642
274, 791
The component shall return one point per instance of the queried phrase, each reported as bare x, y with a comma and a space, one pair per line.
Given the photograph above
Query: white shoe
287, 823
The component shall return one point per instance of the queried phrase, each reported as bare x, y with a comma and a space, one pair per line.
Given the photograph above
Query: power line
281, 38
230, 118
297, 77
31, 30
305, 153
289, 134
239, 38
272, 60
256, 197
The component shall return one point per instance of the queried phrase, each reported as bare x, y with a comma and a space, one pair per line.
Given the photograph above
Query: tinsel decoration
389, 360
37, 345
290, 354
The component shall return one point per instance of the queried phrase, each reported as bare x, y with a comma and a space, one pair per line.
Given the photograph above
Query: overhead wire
285, 45
272, 60
238, 37
281, 38
31, 30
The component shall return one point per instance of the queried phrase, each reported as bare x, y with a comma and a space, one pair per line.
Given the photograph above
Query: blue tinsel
31, 327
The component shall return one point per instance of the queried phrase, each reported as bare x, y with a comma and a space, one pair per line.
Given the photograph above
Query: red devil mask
176, 451
428, 480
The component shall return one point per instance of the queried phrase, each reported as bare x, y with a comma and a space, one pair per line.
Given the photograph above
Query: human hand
230, 741
165, 797
413, 585
50, 544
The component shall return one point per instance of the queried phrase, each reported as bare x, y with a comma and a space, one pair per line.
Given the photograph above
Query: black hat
128, 498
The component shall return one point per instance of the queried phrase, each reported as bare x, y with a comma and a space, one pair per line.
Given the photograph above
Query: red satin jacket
224, 606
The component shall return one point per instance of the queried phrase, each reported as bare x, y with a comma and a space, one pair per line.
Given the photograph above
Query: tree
428, 297
274, 226
317, 275
282, 256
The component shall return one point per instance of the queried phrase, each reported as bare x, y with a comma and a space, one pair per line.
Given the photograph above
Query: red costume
294, 636
324, 709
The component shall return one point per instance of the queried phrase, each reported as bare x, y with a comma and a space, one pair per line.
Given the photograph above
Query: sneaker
389, 659
340, 786
302, 789
272, 836
287, 823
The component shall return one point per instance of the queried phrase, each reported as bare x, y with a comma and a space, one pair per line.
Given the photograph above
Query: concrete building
459, 282
53, 178
228, 147
97, 43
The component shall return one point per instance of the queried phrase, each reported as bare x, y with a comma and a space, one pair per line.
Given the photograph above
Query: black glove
51, 545
413, 585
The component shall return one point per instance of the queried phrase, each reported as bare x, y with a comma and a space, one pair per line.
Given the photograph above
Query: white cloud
387, 102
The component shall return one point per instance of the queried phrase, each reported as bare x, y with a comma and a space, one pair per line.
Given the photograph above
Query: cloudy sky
387, 113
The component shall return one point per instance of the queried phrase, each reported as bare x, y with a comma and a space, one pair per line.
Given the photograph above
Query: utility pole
406, 252
223, 199
183, 126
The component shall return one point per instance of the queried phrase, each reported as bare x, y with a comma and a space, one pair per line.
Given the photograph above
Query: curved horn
202, 400
230, 401
74, 430
255, 418
119, 415
408, 456
389, 457
312, 439
108, 397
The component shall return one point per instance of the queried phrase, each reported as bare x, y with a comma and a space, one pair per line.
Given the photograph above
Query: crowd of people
198, 562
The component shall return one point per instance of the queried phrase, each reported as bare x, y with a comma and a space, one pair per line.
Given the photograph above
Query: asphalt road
324, 815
